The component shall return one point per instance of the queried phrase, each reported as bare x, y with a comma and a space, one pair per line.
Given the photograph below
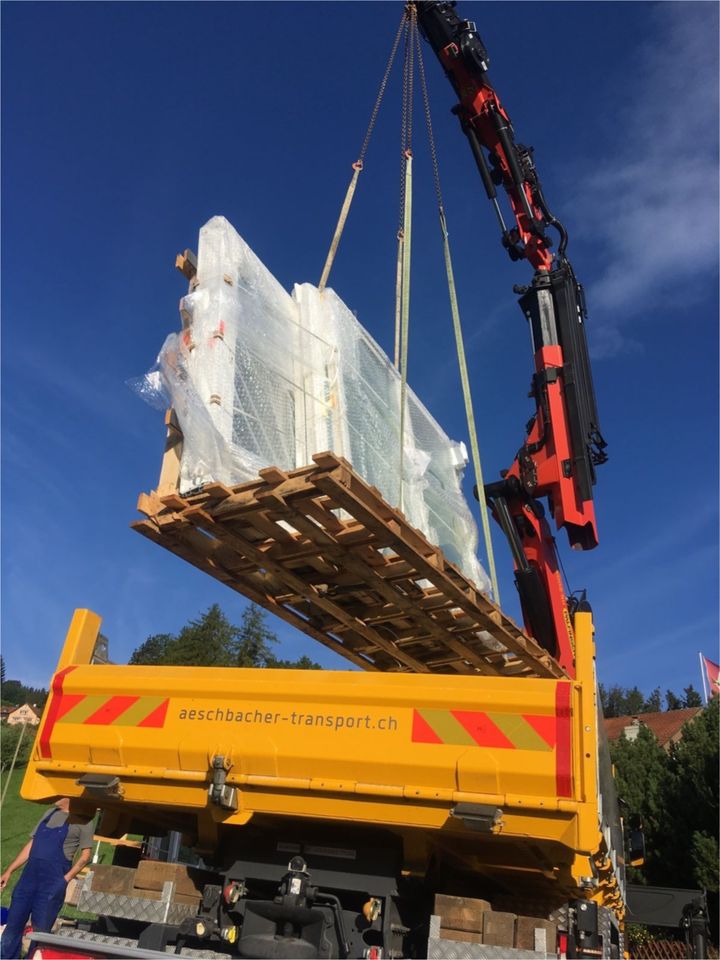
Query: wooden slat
246, 549
325, 552
170, 469
187, 553
351, 493
359, 565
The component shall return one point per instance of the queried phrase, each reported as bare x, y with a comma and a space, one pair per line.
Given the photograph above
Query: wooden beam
170, 467
186, 263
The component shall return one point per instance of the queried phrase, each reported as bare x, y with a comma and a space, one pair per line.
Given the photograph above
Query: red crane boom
563, 442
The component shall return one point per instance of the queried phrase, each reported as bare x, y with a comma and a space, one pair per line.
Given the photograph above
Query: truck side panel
409, 752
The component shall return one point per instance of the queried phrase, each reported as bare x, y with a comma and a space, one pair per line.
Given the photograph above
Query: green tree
208, 641
303, 663
705, 857
653, 704
13, 692
252, 646
16, 694
692, 798
154, 650
212, 641
673, 702
613, 701
620, 701
641, 772
634, 702
9, 741
2, 669
676, 795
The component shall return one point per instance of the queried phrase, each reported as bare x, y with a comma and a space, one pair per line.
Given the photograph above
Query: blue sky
126, 126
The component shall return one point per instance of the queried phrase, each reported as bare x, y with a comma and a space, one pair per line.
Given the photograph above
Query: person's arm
85, 855
19, 860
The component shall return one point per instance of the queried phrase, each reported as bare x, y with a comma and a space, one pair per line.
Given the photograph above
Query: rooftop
666, 725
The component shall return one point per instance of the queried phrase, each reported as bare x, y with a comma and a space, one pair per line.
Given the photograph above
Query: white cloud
678, 645
652, 198
683, 535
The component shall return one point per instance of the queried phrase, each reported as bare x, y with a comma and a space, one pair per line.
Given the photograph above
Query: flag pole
702, 675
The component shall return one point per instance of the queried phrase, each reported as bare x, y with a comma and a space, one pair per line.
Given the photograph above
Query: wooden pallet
325, 552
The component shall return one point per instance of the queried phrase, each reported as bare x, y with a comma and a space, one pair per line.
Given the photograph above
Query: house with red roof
666, 725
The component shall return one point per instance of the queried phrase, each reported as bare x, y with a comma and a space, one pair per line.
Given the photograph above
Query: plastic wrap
260, 378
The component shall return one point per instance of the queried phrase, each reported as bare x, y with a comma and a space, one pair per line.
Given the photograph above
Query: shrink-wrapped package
260, 378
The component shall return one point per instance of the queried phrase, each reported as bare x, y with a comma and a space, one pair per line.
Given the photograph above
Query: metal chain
358, 165
402, 26
428, 120
404, 125
412, 33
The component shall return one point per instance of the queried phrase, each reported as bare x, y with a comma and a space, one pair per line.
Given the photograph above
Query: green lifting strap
402, 301
345, 210
398, 297
405, 308
462, 363
467, 397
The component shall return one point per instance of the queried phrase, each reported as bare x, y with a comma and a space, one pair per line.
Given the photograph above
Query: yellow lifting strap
358, 165
459, 342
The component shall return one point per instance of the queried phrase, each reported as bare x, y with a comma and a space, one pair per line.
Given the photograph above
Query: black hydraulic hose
480, 160
553, 221
503, 132
502, 513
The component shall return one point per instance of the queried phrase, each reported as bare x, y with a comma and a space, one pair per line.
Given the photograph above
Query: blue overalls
40, 890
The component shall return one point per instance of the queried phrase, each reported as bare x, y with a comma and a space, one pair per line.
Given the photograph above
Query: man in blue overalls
40, 892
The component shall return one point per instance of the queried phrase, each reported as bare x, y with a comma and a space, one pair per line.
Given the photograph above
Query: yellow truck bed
498, 775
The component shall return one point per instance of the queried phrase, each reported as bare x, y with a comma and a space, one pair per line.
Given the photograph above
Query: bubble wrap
260, 378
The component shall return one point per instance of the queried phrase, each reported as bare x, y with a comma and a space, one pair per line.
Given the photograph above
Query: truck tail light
57, 953
562, 944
